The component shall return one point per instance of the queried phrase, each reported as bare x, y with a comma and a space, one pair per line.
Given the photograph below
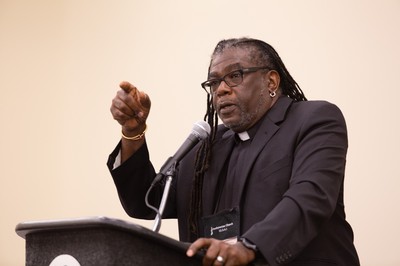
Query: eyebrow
227, 69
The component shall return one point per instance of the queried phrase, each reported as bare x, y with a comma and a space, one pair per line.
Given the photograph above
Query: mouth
226, 107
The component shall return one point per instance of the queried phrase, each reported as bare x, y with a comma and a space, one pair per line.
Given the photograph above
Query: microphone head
201, 129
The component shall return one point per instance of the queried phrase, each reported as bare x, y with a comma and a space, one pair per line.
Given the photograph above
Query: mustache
222, 104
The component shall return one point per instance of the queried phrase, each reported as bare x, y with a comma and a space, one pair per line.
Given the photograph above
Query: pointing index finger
126, 86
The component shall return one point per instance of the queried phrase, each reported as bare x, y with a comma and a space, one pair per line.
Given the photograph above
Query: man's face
240, 107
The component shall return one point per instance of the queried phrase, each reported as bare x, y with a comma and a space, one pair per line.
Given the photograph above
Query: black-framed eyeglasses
231, 79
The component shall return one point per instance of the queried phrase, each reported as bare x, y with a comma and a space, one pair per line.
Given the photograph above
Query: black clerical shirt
229, 183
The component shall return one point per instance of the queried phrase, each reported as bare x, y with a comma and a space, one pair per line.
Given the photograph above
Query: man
271, 176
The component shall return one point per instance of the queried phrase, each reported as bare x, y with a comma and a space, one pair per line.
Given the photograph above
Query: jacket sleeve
132, 180
315, 184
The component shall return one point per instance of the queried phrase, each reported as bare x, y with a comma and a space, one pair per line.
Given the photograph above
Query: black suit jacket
291, 200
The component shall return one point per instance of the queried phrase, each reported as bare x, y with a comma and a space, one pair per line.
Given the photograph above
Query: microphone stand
157, 221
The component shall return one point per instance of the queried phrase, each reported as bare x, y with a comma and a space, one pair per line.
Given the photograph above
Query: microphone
201, 130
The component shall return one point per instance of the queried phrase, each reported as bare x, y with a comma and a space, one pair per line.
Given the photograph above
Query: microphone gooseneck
200, 131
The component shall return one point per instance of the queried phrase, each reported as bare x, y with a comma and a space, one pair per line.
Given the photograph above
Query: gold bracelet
137, 137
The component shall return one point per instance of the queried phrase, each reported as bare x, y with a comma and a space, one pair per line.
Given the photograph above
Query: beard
245, 121
248, 117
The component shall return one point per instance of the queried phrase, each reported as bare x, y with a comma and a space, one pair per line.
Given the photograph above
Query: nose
223, 89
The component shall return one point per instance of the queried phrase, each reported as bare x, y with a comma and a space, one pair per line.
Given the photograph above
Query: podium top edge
24, 228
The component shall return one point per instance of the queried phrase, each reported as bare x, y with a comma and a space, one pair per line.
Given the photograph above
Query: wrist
248, 244
136, 134
250, 247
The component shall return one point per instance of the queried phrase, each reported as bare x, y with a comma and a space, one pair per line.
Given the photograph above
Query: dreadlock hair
260, 53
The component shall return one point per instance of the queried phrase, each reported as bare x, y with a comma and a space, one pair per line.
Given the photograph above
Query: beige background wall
61, 63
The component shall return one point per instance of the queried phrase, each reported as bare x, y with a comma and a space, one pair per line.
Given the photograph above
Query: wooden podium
99, 241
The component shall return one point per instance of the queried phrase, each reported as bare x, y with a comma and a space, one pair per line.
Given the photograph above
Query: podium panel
100, 241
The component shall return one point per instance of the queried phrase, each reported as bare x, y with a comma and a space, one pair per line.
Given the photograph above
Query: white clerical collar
244, 135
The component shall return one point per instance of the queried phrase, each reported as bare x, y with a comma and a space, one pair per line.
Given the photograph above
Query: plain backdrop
61, 63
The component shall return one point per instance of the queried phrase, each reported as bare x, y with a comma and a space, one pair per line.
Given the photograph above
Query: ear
273, 80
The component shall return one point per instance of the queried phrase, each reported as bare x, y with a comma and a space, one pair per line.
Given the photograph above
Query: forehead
230, 59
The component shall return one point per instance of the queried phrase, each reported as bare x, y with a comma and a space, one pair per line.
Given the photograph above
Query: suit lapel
267, 129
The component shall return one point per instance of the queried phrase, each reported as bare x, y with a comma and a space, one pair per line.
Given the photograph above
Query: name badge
224, 225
